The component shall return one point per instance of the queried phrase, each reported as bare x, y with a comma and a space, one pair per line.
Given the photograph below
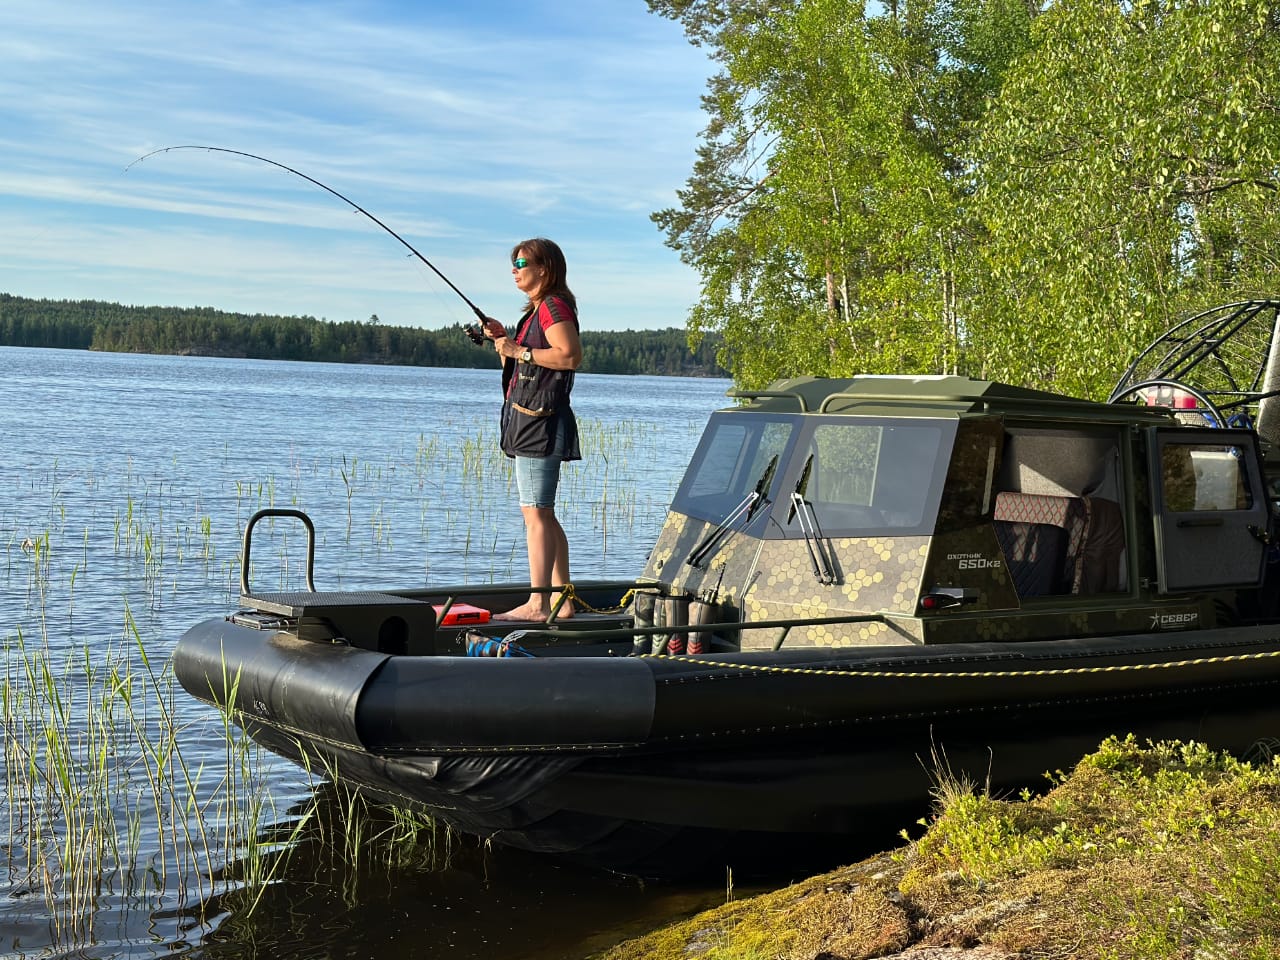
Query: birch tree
1126, 175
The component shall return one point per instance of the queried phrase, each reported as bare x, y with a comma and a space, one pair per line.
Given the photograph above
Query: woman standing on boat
538, 426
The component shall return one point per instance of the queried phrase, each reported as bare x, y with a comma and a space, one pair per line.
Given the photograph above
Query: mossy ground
1166, 850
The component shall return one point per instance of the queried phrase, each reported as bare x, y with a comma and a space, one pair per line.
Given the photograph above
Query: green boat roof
931, 396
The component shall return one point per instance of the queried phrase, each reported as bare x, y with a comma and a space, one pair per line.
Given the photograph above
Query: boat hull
646, 764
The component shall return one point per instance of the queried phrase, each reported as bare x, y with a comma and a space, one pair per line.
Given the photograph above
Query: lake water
125, 483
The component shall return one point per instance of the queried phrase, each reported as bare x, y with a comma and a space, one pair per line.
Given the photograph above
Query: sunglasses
520, 262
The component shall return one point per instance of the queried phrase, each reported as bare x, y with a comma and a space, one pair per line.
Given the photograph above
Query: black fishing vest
537, 420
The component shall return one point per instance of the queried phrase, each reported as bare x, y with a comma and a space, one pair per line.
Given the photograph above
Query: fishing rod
359, 209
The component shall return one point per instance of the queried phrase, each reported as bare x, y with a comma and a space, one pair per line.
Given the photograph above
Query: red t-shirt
551, 311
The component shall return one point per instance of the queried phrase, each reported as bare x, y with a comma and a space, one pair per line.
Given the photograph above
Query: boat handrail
714, 626
770, 394
566, 591
245, 549
461, 591
1089, 408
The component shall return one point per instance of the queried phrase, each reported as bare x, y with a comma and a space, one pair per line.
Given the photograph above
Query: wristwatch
527, 356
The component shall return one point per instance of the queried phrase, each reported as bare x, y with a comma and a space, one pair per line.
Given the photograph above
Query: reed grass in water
100, 801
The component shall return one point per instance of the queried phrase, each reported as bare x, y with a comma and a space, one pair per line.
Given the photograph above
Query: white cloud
464, 128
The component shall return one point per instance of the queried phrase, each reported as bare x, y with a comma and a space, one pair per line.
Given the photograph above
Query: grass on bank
1167, 850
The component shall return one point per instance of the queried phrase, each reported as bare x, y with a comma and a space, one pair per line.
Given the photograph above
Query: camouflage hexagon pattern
776, 579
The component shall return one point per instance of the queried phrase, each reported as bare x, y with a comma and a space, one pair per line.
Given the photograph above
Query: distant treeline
204, 331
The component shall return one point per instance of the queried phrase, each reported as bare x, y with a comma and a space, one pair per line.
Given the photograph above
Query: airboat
855, 578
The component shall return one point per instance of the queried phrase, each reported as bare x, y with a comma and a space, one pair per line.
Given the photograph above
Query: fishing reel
476, 334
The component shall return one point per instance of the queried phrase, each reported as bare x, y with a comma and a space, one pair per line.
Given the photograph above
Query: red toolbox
460, 614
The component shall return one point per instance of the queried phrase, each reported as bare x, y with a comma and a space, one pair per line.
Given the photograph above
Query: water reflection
443, 895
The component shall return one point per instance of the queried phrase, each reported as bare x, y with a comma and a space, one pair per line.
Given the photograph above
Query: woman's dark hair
547, 255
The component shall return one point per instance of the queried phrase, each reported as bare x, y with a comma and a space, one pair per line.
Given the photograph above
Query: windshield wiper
744, 511
823, 568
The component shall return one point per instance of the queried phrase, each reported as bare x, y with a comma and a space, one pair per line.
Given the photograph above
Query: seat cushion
1034, 553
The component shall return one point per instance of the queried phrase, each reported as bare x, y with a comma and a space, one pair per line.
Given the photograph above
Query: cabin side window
861, 477
1212, 511
733, 457
1059, 513
1197, 477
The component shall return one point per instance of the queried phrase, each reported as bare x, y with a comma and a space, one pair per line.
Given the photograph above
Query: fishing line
359, 209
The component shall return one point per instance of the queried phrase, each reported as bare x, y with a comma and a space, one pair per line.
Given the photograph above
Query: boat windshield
853, 476
863, 475
733, 455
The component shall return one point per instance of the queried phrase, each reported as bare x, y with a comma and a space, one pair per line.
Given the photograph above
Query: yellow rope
571, 595
953, 674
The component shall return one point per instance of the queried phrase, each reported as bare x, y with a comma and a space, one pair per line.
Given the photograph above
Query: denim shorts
537, 479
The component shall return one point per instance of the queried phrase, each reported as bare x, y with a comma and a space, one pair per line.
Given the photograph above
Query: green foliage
976, 186
203, 331
822, 211
1126, 175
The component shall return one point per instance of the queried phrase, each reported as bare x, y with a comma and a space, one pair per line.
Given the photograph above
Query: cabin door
1211, 509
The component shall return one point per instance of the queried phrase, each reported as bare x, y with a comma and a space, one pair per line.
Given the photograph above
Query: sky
465, 127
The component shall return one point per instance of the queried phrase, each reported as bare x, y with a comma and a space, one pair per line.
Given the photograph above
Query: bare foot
524, 612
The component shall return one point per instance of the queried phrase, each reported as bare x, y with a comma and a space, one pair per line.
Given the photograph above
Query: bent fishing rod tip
347, 200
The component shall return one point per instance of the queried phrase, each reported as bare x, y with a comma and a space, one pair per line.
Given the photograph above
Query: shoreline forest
208, 332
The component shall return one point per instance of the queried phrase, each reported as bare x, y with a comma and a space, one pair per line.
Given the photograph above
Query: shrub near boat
877, 569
